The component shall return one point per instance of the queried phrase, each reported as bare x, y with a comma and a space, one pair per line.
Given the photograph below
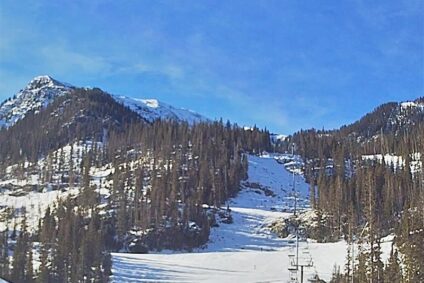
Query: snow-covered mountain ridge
42, 90
152, 109
37, 94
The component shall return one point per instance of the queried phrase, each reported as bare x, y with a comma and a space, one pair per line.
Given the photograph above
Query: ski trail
244, 251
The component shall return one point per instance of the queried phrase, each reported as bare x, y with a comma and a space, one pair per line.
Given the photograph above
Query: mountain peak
45, 81
43, 78
39, 92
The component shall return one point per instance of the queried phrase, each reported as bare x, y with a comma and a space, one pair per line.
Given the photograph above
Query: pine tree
361, 274
393, 270
20, 254
29, 270
4, 254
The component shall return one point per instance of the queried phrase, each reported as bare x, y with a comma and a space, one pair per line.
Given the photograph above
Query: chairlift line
295, 265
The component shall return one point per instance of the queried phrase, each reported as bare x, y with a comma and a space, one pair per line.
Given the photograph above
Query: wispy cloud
171, 71
60, 59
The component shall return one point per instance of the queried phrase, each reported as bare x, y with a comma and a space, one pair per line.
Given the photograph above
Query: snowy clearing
245, 251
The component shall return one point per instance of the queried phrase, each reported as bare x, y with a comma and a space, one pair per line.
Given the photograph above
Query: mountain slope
38, 93
152, 109
80, 115
246, 250
42, 90
390, 117
394, 128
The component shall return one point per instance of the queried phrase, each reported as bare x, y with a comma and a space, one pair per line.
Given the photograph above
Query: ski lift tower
297, 265
294, 193
293, 268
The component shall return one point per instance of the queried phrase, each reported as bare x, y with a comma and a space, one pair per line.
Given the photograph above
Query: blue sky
283, 65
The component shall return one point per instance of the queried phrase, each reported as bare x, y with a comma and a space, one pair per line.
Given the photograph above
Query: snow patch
396, 161
152, 109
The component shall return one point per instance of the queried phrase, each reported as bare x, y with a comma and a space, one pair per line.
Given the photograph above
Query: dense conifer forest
168, 181
364, 199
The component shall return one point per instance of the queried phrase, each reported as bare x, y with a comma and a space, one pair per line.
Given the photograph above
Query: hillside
246, 250
369, 183
78, 115
393, 118
389, 128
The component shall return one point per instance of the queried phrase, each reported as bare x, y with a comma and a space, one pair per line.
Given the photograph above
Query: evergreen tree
20, 261
4, 254
393, 270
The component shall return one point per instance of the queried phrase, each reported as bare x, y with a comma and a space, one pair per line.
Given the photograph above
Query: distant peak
43, 78
45, 81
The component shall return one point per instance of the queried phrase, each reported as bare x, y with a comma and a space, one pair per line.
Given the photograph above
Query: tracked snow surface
246, 250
